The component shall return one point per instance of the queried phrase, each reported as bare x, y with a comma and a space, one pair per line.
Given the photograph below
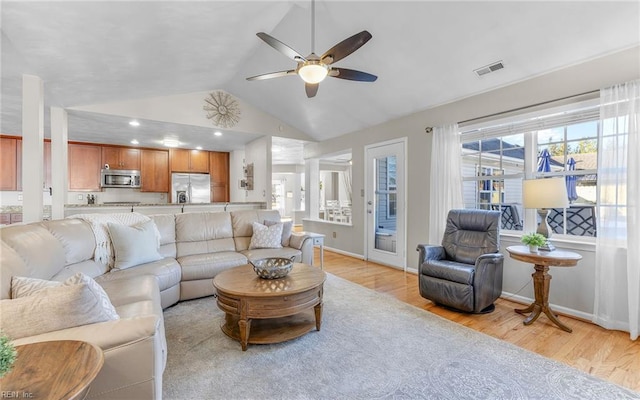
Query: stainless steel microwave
119, 178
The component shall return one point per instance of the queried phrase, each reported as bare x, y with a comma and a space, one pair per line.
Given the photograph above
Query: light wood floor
610, 355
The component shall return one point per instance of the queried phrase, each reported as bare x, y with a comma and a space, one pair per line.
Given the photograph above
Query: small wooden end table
262, 311
58, 369
542, 260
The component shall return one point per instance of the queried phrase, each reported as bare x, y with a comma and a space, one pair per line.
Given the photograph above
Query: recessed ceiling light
217, 133
135, 142
198, 147
134, 123
171, 142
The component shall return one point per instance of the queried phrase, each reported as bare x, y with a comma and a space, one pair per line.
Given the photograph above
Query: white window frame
529, 124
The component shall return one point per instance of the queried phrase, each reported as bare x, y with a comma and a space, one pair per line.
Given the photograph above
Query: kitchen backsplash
11, 198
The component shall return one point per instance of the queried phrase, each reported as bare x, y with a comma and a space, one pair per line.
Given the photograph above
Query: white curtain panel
617, 297
445, 189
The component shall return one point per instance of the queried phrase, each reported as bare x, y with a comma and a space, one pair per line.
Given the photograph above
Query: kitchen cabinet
121, 157
8, 164
219, 170
84, 167
182, 160
18, 165
154, 171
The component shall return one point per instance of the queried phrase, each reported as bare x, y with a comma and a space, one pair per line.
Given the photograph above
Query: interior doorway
385, 217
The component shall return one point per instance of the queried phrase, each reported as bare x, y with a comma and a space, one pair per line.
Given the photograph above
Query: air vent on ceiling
493, 67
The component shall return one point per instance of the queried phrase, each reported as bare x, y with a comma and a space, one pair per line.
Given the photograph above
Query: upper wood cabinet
121, 157
182, 160
154, 171
84, 166
219, 170
8, 164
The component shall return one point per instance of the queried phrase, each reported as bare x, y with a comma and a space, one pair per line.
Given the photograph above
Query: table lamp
544, 194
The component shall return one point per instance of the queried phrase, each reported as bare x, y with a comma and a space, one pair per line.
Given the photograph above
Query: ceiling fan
313, 68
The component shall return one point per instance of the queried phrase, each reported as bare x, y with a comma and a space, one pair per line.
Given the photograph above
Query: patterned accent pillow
134, 245
23, 286
51, 309
26, 287
266, 237
287, 227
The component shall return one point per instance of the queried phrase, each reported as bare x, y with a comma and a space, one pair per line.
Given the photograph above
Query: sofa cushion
166, 224
287, 227
12, 265
52, 309
166, 271
76, 237
42, 253
207, 266
134, 245
243, 224
203, 232
266, 237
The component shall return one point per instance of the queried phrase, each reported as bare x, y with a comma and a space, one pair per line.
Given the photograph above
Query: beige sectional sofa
194, 248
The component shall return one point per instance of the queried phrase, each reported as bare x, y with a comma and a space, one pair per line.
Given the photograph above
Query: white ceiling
423, 52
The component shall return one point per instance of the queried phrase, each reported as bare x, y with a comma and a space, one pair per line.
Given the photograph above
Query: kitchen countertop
129, 204
47, 208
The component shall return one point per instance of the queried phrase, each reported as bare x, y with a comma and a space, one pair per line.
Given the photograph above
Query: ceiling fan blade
352, 75
281, 47
311, 89
272, 75
346, 47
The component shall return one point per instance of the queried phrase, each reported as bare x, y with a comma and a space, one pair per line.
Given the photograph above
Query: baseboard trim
581, 315
344, 253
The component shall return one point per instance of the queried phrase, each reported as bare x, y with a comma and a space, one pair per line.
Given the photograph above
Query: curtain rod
527, 107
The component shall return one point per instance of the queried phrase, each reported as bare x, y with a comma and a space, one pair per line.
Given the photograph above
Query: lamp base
548, 246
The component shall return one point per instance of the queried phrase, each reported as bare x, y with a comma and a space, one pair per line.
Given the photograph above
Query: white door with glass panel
385, 203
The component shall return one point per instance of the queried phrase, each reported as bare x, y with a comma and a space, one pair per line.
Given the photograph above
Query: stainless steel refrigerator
190, 188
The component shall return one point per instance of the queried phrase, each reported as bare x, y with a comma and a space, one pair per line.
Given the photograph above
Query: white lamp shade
545, 193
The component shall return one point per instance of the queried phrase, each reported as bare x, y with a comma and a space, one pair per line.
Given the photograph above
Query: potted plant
7, 354
533, 240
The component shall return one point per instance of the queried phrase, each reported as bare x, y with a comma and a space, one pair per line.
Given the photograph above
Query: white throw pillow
287, 227
52, 309
24, 287
134, 245
266, 237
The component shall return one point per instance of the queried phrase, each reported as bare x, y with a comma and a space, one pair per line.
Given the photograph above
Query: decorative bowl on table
272, 267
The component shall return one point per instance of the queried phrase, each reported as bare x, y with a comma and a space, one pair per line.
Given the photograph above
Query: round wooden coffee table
58, 369
262, 311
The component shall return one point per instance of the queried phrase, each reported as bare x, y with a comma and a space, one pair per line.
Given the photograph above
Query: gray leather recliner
465, 273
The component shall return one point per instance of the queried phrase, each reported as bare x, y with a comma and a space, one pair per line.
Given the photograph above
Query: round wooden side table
58, 369
542, 260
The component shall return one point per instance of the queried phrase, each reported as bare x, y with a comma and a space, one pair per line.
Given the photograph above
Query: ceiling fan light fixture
313, 73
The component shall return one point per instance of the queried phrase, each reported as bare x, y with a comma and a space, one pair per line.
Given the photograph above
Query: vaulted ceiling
424, 52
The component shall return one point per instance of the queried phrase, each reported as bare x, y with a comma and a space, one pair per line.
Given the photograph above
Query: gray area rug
371, 346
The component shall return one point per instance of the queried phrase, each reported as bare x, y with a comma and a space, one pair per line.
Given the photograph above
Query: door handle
369, 202
369, 211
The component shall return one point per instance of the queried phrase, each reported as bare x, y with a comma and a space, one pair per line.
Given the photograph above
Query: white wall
236, 162
258, 152
588, 76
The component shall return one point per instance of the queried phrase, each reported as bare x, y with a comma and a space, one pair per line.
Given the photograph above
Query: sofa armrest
105, 335
430, 252
297, 240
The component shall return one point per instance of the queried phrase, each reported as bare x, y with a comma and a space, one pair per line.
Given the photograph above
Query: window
563, 142
392, 197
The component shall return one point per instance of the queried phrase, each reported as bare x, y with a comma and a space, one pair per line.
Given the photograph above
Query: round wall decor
222, 109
